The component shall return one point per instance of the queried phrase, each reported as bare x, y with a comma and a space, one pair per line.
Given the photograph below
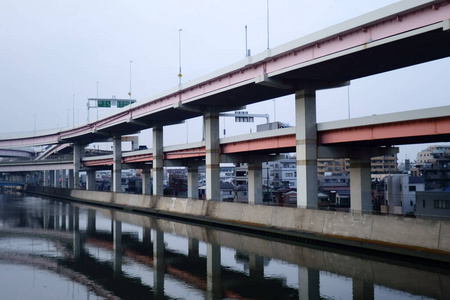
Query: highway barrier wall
424, 238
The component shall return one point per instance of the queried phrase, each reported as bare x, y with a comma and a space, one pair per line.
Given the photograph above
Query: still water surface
56, 250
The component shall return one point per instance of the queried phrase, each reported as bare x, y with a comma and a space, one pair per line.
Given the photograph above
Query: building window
412, 188
442, 204
289, 174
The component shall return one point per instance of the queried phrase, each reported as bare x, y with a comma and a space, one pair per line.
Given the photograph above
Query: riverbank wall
422, 238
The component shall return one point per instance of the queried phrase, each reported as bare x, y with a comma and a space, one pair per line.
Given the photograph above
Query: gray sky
51, 50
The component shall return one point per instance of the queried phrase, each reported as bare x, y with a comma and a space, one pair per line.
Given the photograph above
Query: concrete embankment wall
416, 237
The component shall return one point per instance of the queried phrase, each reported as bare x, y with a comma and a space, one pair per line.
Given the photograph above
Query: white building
400, 192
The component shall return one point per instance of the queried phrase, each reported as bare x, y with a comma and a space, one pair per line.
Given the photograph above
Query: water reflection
109, 254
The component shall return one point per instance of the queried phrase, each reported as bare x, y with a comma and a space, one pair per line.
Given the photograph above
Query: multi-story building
433, 165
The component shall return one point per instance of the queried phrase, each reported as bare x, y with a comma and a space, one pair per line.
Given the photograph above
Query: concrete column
147, 239
46, 178
146, 182
63, 179
158, 161
256, 266
213, 270
192, 182
360, 184
212, 156
117, 247
56, 179
52, 178
158, 264
78, 151
308, 284
306, 138
255, 182
71, 179
363, 290
117, 165
91, 184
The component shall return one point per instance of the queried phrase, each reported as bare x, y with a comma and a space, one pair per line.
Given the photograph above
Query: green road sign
122, 103
104, 103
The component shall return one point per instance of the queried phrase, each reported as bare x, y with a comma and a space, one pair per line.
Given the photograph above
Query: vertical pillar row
255, 182
146, 181
306, 148
77, 155
91, 184
212, 156
360, 183
117, 164
192, 182
158, 161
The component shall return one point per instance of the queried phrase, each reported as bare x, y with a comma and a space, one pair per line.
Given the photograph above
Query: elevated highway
400, 35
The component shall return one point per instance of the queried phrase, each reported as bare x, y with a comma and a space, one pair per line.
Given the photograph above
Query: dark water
55, 250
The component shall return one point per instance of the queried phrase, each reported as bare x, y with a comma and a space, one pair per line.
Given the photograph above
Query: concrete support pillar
363, 290
78, 151
46, 178
212, 156
63, 179
360, 184
255, 182
308, 284
158, 161
117, 165
52, 178
158, 264
71, 179
117, 247
192, 182
146, 182
213, 272
306, 141
256, 266
147, 238
91, 184
56, 179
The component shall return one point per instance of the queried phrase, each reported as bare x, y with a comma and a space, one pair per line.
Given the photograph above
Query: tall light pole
267, 24
179, 55
73, 110
97, 100
129, 93
246, 46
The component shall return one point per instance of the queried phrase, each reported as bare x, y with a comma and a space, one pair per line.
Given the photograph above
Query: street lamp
129, 93
179, 55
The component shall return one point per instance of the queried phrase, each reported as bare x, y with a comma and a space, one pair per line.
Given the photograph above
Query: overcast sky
52, 50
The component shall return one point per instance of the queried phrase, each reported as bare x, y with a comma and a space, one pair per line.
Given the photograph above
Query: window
412, 188
442, 204
289, 174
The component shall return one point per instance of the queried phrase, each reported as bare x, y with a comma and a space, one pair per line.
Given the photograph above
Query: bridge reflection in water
89, 252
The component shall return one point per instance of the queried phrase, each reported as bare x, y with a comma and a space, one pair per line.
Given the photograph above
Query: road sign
104, 103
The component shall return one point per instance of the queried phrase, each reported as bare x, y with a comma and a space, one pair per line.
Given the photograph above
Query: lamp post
73, 110
129, 93
179, 55
267, 24
97, 101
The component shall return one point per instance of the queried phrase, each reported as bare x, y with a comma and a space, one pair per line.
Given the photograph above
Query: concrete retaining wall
417, 237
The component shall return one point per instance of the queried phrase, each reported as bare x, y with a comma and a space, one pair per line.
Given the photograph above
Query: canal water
57, 250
